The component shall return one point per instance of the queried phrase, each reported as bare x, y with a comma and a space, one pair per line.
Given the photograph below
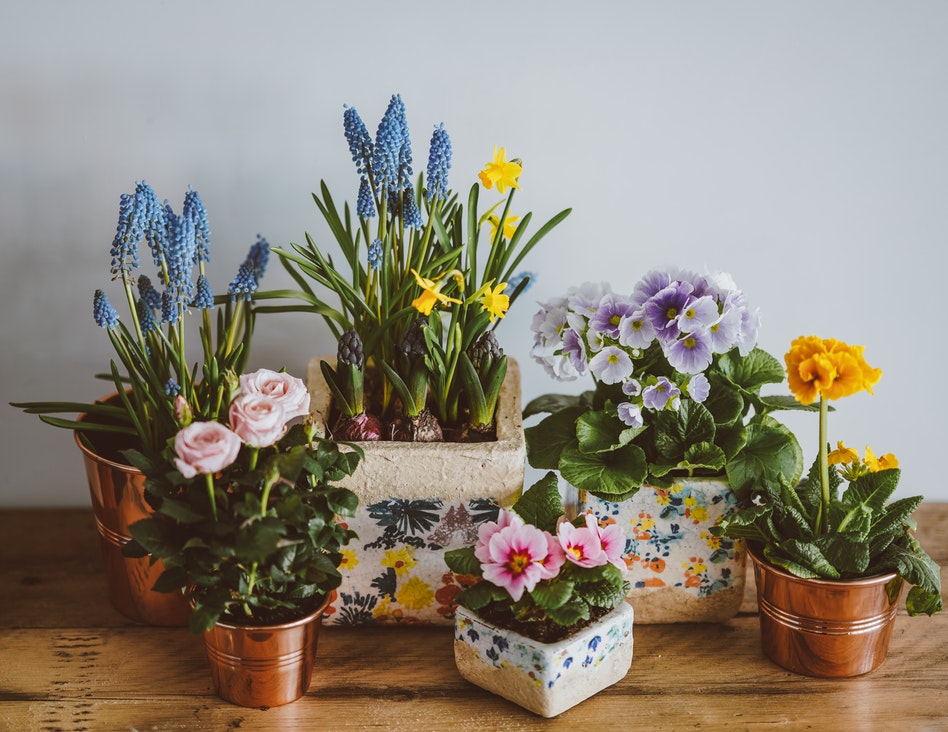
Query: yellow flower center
518, 563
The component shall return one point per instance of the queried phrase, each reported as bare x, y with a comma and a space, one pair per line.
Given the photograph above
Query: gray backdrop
799, 146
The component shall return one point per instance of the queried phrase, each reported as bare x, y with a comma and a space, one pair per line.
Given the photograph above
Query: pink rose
257, 419
289, 391
205, 448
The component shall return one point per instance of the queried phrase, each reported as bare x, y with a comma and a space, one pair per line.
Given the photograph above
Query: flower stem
209, 480
823, 516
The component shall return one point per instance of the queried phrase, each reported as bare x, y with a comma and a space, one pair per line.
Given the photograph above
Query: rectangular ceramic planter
546, 678
679, 572
416, 501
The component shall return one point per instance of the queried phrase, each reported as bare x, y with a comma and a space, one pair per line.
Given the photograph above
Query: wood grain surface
68, 661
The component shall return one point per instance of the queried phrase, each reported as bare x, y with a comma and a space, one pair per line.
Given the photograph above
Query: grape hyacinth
204, 297
389, 138
365, 205
193, 209
439, 163
148, 293
360, 144
244, 284
103, 312
146, 316
374, 254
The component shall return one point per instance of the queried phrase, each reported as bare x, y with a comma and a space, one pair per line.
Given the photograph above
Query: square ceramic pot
546, 678
679, 572
417, 501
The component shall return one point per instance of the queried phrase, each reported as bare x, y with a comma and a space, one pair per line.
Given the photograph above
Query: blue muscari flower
180, 255
244, 283
146, 316
258, 256
169, 310
404, 148
439, 163
193, 208
375, 254
152, 219
365, 206
388, 143
148, 293
411, 214
203, 298
360, 144
515, 281
172, 388
128, 234
103, 312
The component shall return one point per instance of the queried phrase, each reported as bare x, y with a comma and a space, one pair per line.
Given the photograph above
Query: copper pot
827, 628
118, 500
264, 665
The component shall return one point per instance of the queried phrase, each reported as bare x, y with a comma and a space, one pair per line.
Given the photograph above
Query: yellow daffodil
842, 454
510, 226
431, 294
881, 463
500, 172
494, 301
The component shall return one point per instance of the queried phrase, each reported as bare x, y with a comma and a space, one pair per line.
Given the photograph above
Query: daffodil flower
431, 294
500, 172
494, 301
510, 226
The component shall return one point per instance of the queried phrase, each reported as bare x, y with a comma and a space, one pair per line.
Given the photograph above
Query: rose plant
538, 574
678, 382
152, 372
245, 510
812, 530
417, 312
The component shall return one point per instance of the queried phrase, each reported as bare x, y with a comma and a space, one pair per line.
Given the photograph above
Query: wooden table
68, 661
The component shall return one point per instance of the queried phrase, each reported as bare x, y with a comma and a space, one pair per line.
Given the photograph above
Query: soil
543, 632
275, 616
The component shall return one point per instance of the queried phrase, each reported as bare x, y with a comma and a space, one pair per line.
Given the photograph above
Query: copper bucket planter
826, 628
264, 665
118, 500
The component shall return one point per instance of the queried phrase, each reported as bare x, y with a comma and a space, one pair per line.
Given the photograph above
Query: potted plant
245, 521
419, 378
830, 565
543, 620
151, 371
675, 430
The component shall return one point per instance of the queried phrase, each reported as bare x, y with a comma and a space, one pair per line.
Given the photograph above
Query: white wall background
802, 147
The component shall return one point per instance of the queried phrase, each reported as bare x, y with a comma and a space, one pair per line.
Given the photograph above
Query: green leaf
916, 567
546, 441
676, 430
463, 561
552, 595
804, 559
606, 475
848, 554
724, 403
552, 403
787, 402
752, 371
258, 539
872, 489
600, 432
541, 504
704, 455
480, 595
771, 454
570, 613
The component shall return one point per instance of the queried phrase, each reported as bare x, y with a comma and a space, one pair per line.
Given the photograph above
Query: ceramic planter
416, 501
827, 628
264, 665
679, 572
118, 500
546, 678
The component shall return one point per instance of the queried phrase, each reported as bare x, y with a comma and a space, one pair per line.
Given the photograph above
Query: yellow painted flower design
401, 560
415, 594
349, 559
500, 172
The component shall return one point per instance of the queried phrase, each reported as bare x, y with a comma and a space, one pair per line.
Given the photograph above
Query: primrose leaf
547, 440
541, 504
606, 474
676, 431
752, 371
601, 432
771, 454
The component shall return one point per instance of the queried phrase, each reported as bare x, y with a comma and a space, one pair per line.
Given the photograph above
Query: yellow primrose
881, 463
842, 454
500, 172
431, 294
510, 226
494, 301
827, 368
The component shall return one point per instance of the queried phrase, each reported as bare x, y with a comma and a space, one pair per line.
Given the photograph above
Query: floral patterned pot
118, 500
417, 501
679, 572
546, 678
264, 665
825, 628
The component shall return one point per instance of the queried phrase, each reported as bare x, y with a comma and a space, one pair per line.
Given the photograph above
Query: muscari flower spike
411, 214
389, 138
365, 205
204, 297
193, 209
439, 163
374, 255
360, 144
258, 256
169, 310
148, 294
146, 316
152, 220
103, 312
244, 284
180, 255
128, 234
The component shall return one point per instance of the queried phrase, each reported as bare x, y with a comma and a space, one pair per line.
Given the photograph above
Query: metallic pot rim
123, 467
753, 549
330, 596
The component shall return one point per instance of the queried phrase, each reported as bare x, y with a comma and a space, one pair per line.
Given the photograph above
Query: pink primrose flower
487, 529
581, 545
516, 555
611, 540
205, 448
289, 391
257, 419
